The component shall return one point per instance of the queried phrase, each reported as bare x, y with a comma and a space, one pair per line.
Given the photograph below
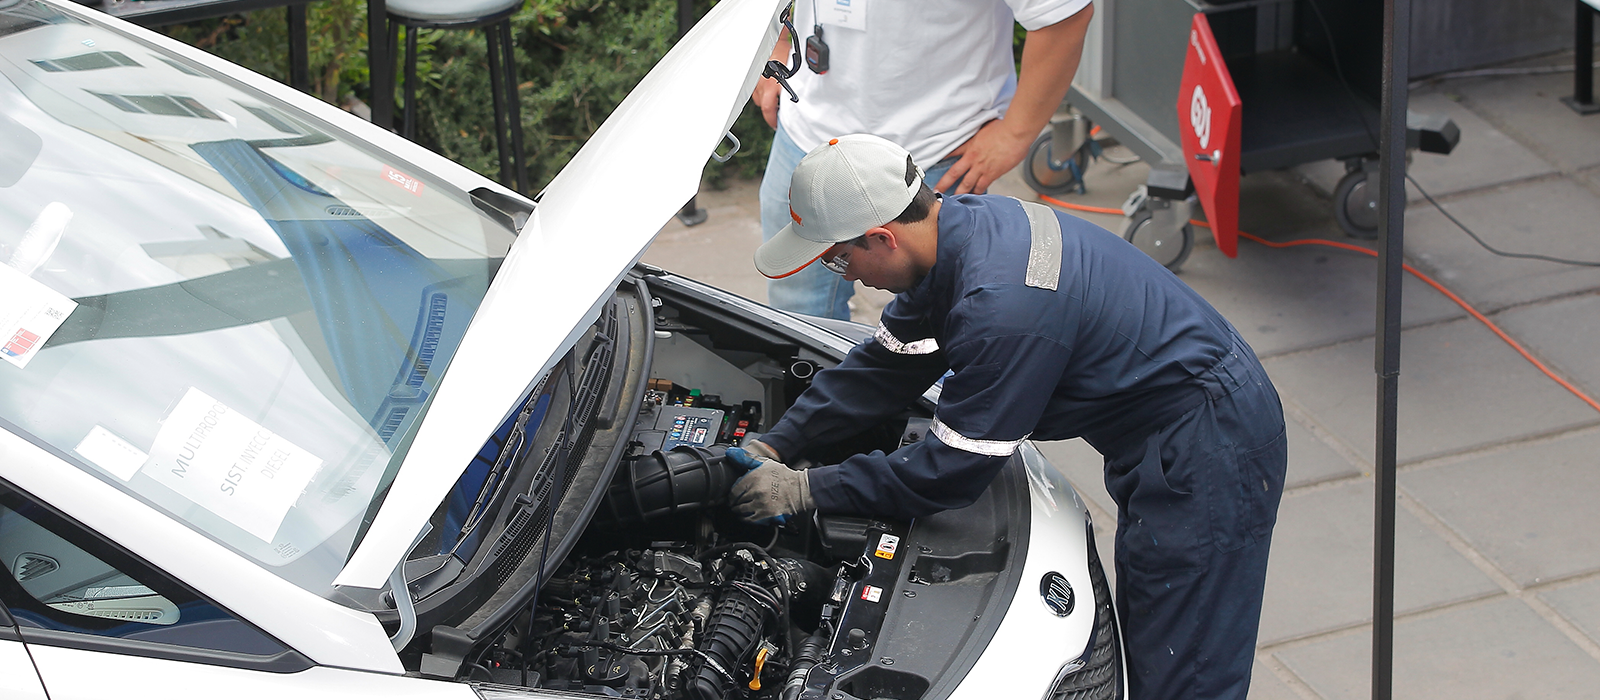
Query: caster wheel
1045, 179
1355, 205
1170, 248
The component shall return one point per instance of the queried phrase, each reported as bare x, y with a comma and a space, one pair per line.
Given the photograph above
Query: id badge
849, 14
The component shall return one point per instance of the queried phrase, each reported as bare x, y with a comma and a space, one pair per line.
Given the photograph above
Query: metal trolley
1297, 81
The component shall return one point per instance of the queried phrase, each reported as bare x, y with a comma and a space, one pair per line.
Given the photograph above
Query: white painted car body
576, 247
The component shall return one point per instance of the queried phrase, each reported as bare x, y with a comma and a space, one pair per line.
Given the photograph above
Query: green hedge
576, 60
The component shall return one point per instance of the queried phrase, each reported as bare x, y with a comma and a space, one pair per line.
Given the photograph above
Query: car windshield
227, 309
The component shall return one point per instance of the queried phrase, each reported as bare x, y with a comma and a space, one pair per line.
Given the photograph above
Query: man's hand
990, 153
766, 97
1049, 59
770, 490
761, 450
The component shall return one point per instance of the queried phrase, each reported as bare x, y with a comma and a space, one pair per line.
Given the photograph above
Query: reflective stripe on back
1044, 254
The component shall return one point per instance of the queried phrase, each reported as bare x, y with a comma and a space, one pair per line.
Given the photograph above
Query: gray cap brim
787, 253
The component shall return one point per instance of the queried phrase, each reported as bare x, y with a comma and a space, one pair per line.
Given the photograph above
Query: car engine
664, 593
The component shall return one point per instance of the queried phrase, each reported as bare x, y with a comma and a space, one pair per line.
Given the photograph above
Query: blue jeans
813, 290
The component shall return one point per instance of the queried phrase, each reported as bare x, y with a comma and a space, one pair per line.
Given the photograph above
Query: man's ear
885, 236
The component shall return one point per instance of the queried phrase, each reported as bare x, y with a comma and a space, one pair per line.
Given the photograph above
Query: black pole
1391, 249
1582, 99
691, 214
380, 64
299, 71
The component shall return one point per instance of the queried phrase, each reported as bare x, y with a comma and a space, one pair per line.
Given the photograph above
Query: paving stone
1530, 509
1320, 574
1529, 109
1550, 217
1494, 649
1289, 299
1591, 179
1310, 460
1460, 388
1579, 603
1562, 333
1485, 155
1265, 685
719, 251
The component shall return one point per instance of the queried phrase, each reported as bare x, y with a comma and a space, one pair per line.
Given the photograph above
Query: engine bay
669, 595
666, 593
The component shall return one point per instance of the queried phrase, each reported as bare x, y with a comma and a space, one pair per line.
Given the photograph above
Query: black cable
1333, 52
1490, 248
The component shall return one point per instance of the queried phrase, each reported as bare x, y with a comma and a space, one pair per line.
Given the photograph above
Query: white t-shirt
922, 73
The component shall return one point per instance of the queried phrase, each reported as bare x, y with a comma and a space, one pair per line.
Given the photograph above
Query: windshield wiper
510, 453
582, 398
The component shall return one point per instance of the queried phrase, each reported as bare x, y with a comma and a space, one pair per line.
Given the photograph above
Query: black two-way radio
816, 47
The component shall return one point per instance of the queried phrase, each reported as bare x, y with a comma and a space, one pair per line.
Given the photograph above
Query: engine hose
811, 651
731, 636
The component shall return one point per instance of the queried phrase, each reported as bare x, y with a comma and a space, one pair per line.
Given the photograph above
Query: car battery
678, 425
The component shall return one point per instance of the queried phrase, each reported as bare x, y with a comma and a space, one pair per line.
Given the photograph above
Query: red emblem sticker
1209, 116
403, 181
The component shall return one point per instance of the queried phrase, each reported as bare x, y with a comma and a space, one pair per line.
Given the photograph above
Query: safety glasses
839, 263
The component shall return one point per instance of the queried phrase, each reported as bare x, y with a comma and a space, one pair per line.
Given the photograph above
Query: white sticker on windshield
30, 312
107, 451
229, 464
850, 14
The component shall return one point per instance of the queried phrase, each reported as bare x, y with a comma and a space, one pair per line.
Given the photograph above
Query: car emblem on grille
1057, 594
31, 566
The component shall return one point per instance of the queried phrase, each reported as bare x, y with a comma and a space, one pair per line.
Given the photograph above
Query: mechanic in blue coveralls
1053, 328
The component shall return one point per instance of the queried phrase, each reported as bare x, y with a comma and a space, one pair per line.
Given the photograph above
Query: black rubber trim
288, 661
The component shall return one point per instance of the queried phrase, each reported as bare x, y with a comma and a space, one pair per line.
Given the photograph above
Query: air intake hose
663, 483
730, 641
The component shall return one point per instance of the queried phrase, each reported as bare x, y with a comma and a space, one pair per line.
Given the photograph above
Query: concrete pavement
1498, 582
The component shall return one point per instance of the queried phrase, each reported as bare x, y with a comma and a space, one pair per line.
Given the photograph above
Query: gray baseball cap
840, 190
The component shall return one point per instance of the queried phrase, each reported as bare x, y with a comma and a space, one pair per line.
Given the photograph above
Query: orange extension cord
1366, 251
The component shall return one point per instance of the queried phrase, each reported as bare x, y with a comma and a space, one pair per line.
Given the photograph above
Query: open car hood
592, 224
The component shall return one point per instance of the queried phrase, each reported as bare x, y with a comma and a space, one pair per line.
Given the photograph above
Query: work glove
760, 451
770, 491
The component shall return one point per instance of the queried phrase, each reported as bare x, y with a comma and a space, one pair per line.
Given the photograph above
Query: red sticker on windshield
403, 181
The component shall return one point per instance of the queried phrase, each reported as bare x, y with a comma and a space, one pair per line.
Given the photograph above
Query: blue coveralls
1121, 353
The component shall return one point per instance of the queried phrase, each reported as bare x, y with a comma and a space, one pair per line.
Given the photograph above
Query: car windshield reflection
229, 312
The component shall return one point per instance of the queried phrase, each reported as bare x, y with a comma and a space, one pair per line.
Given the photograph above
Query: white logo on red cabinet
1200, 117
403, 181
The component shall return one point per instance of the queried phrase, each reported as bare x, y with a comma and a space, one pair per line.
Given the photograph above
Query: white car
291, 407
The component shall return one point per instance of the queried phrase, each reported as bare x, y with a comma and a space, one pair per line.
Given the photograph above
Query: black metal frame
1582, 99
502, 84
1386, 356
167, 12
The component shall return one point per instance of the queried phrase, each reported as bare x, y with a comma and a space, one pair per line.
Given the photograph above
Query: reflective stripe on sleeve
992, 448
926, 346
1044, 255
